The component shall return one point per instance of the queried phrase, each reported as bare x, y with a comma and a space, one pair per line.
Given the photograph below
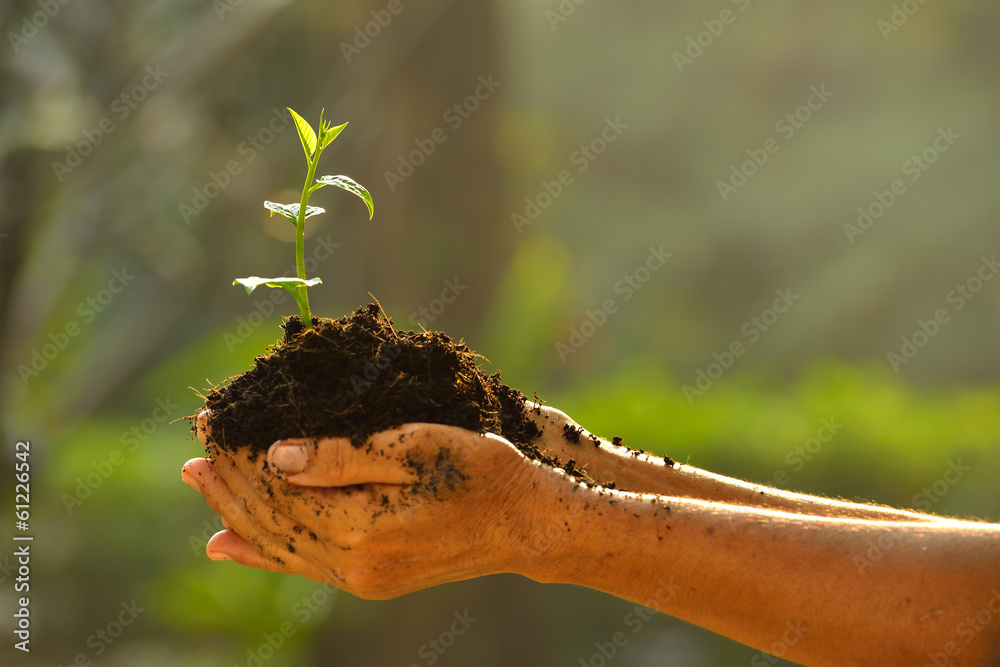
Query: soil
357, 375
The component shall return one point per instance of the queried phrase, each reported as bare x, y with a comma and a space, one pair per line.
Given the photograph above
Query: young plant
313, 144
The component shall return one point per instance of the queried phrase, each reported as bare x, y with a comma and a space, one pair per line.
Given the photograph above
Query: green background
107, 397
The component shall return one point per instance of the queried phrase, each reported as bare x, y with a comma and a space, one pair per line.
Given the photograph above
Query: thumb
330, 462
337, 462
393, 456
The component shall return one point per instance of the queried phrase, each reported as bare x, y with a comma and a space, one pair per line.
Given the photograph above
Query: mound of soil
357, 375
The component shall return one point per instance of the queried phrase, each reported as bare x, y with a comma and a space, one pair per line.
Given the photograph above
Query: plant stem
300, 243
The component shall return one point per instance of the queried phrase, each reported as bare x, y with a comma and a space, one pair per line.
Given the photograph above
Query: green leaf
345, 183
330, 133
291, 211
306, 134
290, 284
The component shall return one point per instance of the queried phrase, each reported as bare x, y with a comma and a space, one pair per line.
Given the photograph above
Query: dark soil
355, 376
572, 433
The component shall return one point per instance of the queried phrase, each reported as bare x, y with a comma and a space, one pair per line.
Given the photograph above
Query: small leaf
345, 183
330, 133
291, 211
306, 134
290, 284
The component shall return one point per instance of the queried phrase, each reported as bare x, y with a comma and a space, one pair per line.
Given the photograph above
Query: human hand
420, 505
609, 464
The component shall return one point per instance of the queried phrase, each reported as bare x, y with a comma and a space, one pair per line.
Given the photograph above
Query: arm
642, 473
428, 504
816, 590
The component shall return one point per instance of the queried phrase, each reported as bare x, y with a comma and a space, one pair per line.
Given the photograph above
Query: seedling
313, 145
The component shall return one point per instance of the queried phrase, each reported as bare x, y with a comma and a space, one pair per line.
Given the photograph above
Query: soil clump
357, 375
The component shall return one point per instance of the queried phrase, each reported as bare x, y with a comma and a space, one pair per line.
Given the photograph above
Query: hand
604, 462
420, 505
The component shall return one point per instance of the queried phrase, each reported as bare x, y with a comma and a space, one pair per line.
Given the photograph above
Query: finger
261, 535
232, 508
556, 426
561, 432
294, 515
338, 515
203, 429
247, 481
277, 547
202, 474
394, 456
549, 421
194, 471
249, 543
228, 545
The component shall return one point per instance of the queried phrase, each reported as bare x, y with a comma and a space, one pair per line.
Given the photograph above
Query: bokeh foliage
178, 324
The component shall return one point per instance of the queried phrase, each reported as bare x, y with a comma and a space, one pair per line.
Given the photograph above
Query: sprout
313, 145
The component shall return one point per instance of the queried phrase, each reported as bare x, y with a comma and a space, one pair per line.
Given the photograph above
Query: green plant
313, 145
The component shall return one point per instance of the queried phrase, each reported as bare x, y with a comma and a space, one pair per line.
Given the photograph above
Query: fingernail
219, 555
190, 480
288, 458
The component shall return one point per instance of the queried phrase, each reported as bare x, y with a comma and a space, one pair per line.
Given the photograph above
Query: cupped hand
606, 463
419, 505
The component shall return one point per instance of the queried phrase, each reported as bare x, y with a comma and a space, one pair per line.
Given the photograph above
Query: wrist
544, 517
571, 532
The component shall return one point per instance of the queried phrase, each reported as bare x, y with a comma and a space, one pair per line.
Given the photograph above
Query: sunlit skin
429, 504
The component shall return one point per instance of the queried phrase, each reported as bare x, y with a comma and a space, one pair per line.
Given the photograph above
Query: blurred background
822, 176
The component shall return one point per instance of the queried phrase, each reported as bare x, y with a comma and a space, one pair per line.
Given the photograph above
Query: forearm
630, 470
689, 482
834, 591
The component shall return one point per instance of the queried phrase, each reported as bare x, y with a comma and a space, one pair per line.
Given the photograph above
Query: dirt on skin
356, 376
